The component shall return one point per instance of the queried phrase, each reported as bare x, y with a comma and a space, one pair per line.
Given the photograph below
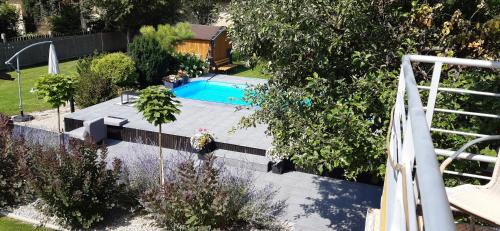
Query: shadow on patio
343, 203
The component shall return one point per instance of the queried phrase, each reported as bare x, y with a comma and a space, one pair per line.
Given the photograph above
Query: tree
37, 11
55, 90
334, 66
158, 106
67, 21
205, 11
130, 15
8, 19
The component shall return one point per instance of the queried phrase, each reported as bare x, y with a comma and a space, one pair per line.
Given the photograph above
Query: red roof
204, 32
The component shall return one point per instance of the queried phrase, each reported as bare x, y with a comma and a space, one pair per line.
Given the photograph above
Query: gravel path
47, 119
29, 213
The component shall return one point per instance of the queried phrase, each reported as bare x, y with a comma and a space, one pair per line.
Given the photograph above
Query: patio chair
94, 129
482, 201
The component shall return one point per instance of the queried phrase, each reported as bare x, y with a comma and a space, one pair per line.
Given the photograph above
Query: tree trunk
162, 175
59, 129
72, 105
128, 37
58, 121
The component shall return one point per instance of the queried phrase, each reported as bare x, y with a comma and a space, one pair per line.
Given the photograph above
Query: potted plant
170, 81
202, 142
278, 163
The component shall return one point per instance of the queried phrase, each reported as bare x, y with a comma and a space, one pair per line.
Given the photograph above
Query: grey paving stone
216, 117
314, 202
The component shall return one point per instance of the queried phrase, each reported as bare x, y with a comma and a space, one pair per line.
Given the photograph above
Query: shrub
204, 197
13, 167
92, 88
150, 59
76, 185
118, 67
192, 65
83, 64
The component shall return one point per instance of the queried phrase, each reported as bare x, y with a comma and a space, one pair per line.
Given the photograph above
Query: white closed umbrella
53, 62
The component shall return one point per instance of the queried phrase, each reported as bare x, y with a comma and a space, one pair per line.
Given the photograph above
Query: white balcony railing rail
409, 186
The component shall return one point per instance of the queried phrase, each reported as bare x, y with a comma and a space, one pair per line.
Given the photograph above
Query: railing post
431, 101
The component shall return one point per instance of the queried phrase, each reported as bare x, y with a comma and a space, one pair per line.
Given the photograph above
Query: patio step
243, 160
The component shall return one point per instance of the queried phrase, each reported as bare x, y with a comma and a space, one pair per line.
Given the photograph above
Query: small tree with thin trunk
158, 106
56, 90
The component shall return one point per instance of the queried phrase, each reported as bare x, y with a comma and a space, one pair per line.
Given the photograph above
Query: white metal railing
409, 185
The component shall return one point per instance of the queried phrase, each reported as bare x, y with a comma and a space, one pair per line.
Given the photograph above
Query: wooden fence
67, 47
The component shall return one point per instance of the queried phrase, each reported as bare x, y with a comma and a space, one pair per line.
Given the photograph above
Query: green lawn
9, 100
9, 224
256, 72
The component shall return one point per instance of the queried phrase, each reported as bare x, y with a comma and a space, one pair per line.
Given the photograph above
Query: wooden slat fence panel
67, 47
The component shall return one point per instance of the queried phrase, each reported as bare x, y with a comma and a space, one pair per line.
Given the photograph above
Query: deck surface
218, 118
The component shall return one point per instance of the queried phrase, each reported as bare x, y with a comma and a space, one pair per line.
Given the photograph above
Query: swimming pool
213, 91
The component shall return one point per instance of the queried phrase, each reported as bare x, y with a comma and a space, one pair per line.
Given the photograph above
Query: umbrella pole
21, 117
19, 88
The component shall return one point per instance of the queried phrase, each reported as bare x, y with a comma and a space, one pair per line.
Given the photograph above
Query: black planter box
280, 167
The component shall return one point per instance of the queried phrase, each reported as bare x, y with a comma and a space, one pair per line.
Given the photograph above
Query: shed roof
204, 32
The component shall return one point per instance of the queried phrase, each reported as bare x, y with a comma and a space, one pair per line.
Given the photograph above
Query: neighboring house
209, 43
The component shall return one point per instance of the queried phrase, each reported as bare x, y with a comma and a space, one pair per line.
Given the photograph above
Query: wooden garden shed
210, 43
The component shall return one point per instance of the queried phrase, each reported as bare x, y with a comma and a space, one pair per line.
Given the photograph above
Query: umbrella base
22, 118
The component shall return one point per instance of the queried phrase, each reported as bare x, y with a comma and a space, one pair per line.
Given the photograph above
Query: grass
9, 224
9, 100
256, 72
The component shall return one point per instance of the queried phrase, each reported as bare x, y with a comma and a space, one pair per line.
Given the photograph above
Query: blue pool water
213, 91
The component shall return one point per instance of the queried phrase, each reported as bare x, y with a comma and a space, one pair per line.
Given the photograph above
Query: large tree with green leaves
334, 67
56, 90
158, 106
130, 15
205, 11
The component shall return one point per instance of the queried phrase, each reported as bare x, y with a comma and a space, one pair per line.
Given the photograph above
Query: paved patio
314, 202
216, 117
